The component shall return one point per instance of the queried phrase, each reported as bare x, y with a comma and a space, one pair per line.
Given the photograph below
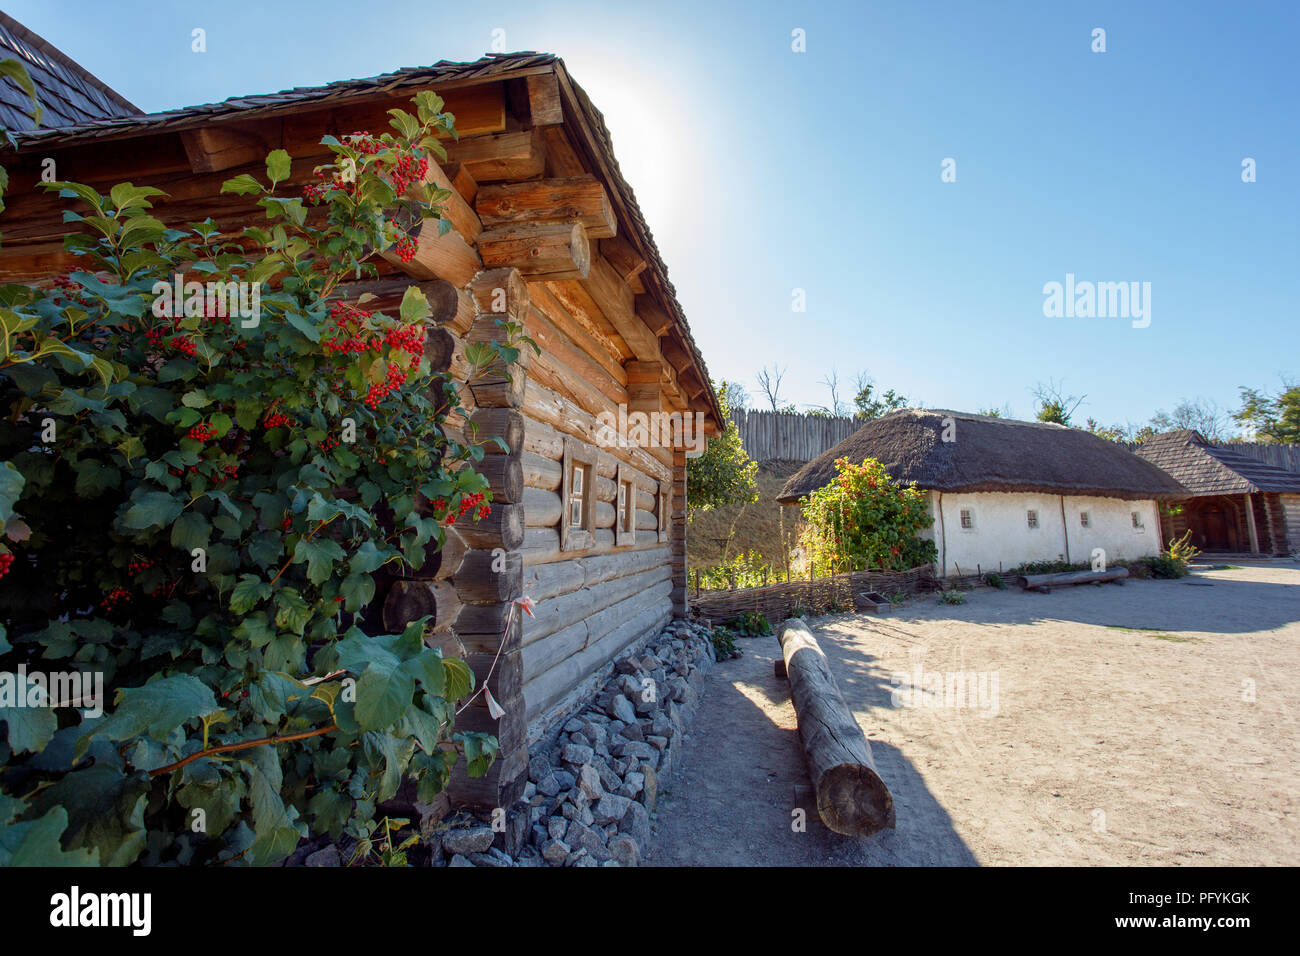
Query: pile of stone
591, 796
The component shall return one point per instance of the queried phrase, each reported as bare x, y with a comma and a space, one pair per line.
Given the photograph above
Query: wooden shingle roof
1206, 469
68, 94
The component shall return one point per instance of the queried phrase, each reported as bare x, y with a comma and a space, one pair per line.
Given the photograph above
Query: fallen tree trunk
851, 797
1045, 582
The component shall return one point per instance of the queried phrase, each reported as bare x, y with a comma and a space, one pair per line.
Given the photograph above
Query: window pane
577, 480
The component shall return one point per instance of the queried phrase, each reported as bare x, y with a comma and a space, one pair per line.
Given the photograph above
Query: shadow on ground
731, 802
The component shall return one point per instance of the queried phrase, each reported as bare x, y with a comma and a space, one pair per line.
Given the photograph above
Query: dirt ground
1148, 724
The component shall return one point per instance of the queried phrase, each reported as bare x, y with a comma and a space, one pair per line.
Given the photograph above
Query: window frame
625, 524
1139, 526
1031, 518
582, 537
1085, 519
964, 515
665, 503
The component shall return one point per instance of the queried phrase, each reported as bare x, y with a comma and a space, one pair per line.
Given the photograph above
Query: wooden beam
624, 257
501, 156
657, 320
643, 386
1250, 523
454, 208
461, 180
618, 305
211, 149
546, 200
549, 250
446, 256
561, 160
544, 99
501, 292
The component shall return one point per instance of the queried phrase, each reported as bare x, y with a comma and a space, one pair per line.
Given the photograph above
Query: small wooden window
1085, 520
1137, 521
967, 519
578, 493
1032, 517
625, 505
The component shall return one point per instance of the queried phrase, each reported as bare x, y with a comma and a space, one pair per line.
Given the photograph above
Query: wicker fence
789, 437
776, 602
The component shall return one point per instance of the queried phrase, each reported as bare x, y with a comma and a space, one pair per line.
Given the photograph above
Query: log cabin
1233, 504
545, 230
1004, 493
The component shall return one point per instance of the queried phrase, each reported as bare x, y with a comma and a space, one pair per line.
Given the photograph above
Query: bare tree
735, 395
832, 381
770, 384
1053, 404
1202, 414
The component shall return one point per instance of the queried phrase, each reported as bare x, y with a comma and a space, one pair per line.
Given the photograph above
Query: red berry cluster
6, 560
137, 565
329, 444
114, 598
183, 343
228, 472
405, 246
348, 331
403, 171
277, 420
394, 379
202, 432
467, 504
286, 522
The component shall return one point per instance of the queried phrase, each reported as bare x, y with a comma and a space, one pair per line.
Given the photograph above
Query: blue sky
762, 170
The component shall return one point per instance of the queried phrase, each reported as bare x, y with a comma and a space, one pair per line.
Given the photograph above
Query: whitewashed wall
1003, 539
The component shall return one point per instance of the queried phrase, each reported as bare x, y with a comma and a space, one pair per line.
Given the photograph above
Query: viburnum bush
865, 520
195, 502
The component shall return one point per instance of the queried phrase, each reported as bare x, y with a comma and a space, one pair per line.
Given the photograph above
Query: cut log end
854, 801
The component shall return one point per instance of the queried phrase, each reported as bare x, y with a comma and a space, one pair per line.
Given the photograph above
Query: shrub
201, 501
952, 597
751, 624
995, 581
865, 520
1173, 561
724, 643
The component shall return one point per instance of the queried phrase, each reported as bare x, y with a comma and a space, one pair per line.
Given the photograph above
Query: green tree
871, 405
724, 474
1273, 418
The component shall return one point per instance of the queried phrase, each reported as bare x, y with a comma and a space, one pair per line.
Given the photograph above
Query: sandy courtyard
1148, 724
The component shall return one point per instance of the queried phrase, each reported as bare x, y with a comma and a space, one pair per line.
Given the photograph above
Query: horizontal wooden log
558, 250
501, 291
504, 423
1067, 578
565, 609
549, 580
483, 628
502, 528
646, 521
502, 673
542, 509
501, 156
579, 198
511, 730
603, 515
446, 256
439, 347
505, 476
489, 577
455, 209
547, 407
541, 691
540, 472
410, 600
851, 797
618, 304
544, 104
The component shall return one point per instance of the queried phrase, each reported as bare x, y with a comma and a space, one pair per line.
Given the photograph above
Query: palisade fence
1283, 456
790, 436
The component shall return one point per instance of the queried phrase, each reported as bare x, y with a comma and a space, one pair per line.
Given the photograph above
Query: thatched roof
1206, 469
989, 454
67, 93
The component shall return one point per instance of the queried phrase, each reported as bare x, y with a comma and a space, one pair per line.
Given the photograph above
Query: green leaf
30, 723
278, 165
37, 843
384, 693
248, 593
460, 679
156, 709
153, 509
190, 531
320, 555
242, 185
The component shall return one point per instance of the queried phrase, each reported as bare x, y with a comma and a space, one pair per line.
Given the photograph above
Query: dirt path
1153, 723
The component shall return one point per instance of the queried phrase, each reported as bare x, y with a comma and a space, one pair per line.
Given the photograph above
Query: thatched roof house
989, 454
1005, 492
1233, 502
